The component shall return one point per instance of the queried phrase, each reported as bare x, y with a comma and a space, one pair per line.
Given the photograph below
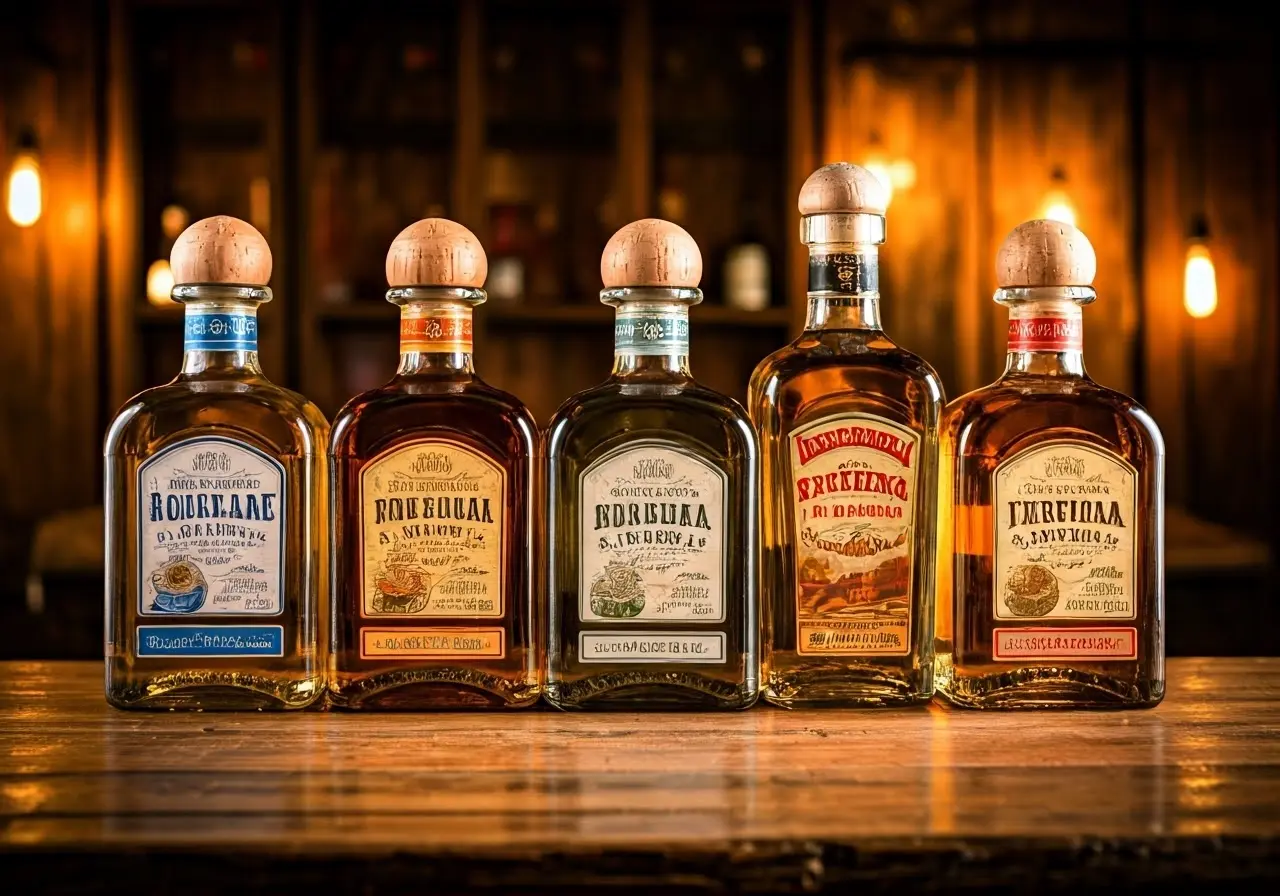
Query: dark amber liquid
983, 429
458, 406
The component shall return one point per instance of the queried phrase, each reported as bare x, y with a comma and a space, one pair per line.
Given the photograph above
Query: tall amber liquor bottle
848, 426
1052, 561
434, 507
215, 496
652, 514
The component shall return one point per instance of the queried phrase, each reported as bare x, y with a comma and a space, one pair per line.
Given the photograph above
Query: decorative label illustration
651, 647
854, 481
1085, 642
1064, 536
652, 537
651, 333
210, 530
435, 330
432, 643
210, 641
431, 514
220, 331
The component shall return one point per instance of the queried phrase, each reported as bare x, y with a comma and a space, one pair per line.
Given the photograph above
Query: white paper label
1064, 534
651, 647
211, 530
651, 535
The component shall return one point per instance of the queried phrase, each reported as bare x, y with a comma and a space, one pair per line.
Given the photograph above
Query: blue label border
225, 630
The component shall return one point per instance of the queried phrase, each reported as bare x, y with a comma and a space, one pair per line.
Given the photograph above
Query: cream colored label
431, 514
432, 643
853, 495
652, 537
650, 647
1064, 534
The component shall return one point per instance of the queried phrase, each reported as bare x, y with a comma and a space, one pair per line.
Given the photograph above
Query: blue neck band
220, 331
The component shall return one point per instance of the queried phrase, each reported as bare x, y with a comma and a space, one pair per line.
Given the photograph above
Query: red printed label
1074, 643
437, 332
1046, 334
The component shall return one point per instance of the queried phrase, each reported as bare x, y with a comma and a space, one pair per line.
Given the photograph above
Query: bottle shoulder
411, 408
809, 357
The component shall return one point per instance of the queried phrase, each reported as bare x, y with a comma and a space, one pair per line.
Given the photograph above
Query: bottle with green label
651, 521
215, 495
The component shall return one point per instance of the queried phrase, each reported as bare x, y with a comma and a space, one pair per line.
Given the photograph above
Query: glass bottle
848, 425
215, 494
652, 515
1052, 556
436, 559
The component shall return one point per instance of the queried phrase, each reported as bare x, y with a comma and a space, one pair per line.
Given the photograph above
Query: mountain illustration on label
1030, 591
401, 589
180, 587
617, 592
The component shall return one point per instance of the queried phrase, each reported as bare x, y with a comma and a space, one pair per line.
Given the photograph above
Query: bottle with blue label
653, 484
216, 488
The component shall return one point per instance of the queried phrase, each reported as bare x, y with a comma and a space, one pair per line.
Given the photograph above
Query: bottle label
652, 647
854, 491
442, 330
1064, 547
647, 333
220, 331
431, 514
211, 518
848, 272
432, 643
210, 641
651, 537
1046, 334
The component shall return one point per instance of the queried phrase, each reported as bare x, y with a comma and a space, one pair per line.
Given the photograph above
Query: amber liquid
1025, 408
848, 365
227, 396
654, 404
441, 399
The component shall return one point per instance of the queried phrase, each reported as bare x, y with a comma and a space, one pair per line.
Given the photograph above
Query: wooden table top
533, 801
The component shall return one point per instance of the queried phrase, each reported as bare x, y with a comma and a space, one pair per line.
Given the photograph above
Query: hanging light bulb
25, 199
160, 283
1057, 204
880, 168
1199, 280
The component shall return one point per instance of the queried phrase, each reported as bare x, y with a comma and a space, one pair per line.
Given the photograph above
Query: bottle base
429, 689
214, 691
847, 687
632, 691
1047, 687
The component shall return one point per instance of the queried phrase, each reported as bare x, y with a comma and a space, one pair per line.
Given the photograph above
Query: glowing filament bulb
25, 201
1199, 282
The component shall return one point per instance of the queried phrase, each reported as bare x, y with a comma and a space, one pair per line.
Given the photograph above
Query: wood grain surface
92, 799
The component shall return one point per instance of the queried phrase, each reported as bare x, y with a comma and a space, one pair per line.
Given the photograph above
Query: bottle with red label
435, 497
848, 424
1051, 555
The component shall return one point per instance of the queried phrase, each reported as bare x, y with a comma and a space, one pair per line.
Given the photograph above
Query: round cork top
436, 252
651, 252
843, 188
1045, 253
221, 249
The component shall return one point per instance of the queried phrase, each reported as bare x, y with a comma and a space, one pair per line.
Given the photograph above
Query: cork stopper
843, 188
651, 252
221, 249
436, 252
1045, 253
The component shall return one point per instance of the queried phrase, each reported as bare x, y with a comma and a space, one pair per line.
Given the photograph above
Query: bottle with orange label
1051, 547
436, 484
848, 425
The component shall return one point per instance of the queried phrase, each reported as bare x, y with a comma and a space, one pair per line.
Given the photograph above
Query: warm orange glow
160, 283
1057, 207
25, 196
896, 176
1199, 282
880, 168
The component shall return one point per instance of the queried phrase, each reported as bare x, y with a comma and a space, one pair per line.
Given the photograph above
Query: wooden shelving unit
542, 127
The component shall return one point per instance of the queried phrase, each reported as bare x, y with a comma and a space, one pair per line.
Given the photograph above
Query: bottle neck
1046, 338
220, 337
844, 287
651, 331
435, 337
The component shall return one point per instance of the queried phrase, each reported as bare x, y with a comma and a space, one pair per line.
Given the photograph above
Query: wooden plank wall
987, 129
50, 420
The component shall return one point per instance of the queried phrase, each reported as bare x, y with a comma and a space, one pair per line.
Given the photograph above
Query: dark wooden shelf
561, 137
233, 134
764, 137
426, 134
595, 314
